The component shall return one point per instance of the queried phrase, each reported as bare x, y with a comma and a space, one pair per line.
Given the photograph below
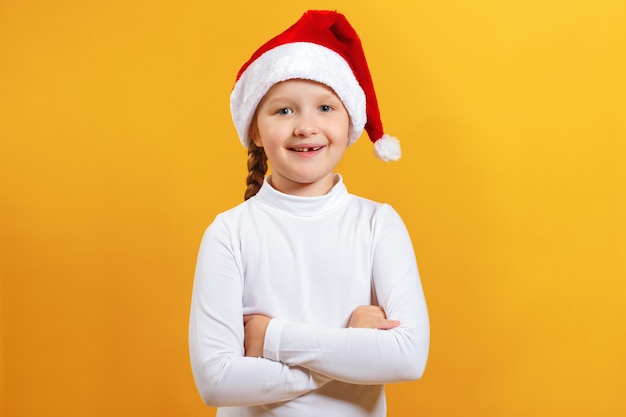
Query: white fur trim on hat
298, 60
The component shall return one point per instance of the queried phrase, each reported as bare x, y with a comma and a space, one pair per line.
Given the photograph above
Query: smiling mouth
313, 149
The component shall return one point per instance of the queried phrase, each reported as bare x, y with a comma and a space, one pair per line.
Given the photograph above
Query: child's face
303, 127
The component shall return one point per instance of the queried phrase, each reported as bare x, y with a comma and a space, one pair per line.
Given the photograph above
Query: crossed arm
256, 359
366, 317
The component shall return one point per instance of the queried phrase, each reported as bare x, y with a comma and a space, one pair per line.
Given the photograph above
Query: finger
250, 317
389, 324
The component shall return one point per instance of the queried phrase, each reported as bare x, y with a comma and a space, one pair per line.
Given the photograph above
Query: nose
305, 126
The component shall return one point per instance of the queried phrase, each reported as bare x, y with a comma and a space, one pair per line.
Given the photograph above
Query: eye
284, 111
325, 108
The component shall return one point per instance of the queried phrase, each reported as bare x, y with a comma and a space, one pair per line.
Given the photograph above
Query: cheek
271, 131
343, 131
346, 127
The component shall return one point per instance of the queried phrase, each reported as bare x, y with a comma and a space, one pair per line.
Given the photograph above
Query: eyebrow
286, 98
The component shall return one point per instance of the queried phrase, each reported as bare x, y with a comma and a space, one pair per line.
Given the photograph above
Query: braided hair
257, 164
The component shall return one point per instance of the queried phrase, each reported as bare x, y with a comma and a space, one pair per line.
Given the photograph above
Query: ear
253, 135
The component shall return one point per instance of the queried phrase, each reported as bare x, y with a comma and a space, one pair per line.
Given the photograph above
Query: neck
314, 189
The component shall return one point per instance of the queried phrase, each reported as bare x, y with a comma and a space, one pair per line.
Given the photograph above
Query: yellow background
117, 150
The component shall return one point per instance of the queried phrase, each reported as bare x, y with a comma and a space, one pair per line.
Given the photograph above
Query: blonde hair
257, 163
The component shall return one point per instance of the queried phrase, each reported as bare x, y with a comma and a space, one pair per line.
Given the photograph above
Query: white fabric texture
387, 148
307, 262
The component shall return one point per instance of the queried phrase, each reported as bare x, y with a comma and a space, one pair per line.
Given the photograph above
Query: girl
306, 298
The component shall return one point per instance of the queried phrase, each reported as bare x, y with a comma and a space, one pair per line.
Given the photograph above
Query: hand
254, 326
371, 317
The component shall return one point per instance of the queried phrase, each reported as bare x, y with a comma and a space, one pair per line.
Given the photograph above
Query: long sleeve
367, 356
223, 375
307, 263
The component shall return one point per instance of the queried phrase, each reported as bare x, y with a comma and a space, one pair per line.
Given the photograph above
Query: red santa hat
322, 46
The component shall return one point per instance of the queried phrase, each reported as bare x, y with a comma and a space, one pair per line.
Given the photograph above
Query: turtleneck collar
302, 206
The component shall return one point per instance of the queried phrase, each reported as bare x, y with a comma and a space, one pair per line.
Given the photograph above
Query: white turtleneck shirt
308, 263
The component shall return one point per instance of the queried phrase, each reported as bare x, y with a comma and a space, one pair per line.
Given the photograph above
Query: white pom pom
387, 148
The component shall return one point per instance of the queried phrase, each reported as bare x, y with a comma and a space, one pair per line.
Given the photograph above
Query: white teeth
307, 149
